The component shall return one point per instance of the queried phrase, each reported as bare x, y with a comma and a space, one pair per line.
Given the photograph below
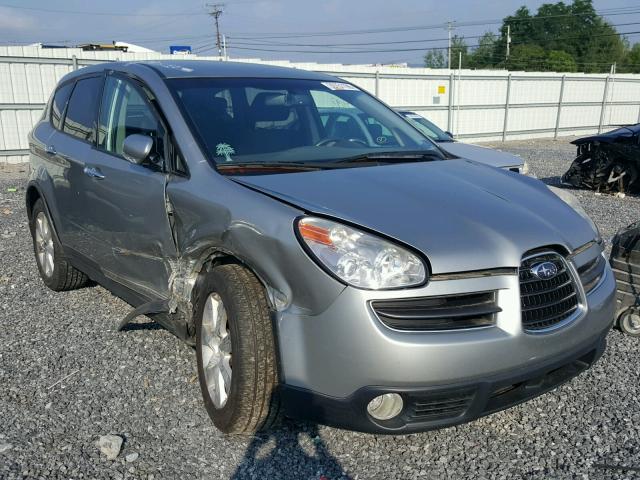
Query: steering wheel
337, 142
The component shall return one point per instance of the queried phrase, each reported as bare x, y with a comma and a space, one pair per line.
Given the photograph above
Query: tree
603, 49
631, 61
484, 54
459, 46
435, 59
575, 29
557, 37
527, 57
559, 61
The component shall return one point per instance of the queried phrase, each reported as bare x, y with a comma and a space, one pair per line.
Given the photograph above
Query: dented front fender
214, 216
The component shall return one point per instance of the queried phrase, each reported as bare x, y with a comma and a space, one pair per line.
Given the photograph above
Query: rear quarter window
80, 119
59, 102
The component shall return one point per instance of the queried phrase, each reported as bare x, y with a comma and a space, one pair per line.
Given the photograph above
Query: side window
180, 165
423, 128
125, 112
58, 104
80, 120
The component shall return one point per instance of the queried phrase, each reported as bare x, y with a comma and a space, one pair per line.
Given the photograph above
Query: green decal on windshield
226, 150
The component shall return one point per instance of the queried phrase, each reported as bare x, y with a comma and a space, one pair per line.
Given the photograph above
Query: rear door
68, 149
124, 203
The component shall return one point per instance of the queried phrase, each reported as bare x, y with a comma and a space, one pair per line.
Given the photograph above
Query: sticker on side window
225, 150
339, 86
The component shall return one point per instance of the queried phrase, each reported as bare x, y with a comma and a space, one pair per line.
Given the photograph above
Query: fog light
385, 407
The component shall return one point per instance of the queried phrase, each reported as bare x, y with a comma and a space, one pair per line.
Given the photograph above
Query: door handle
50, 149
93, 172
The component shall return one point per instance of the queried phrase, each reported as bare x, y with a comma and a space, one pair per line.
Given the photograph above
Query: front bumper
333, 363
441, 406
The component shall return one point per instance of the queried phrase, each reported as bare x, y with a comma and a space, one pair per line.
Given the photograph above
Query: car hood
611, 136
488, 156
462, 215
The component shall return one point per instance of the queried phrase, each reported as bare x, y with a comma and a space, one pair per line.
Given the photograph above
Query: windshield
247, 120
426, 127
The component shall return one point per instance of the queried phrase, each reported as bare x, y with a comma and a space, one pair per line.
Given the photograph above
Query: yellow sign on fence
441, 89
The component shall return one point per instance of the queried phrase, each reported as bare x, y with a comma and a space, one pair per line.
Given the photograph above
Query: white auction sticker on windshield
339, 86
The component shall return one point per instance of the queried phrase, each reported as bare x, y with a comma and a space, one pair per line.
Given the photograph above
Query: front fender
215, 215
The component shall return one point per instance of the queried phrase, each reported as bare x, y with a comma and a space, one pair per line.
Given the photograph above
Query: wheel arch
217, 256
214, 257
31, 197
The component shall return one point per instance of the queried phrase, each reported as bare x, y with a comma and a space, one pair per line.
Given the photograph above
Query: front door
124, 203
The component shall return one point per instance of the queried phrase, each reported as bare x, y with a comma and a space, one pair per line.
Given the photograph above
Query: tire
55, 271
242, 348
629, 322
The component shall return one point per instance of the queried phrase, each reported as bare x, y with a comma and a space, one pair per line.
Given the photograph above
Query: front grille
546, 303
440, 406
445, 312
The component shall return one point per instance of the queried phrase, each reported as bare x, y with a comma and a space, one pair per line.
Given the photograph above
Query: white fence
480, 105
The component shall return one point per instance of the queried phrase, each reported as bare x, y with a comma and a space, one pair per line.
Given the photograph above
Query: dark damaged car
319, 273
608, 162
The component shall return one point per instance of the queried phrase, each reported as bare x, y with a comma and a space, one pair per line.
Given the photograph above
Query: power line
285, 44
267, 42
106, 14
231, 45
276, 35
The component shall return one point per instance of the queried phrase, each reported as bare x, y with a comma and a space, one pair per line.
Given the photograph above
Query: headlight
358, 258
571, 200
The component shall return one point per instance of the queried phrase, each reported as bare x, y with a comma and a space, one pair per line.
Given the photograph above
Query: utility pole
508, 40
216, 11
449, 28
224, 47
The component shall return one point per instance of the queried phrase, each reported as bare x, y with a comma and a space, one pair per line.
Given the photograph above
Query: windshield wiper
270, 166
362, 159
393, 157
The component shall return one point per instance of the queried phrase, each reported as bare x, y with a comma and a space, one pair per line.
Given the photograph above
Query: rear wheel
236, 352
54, 269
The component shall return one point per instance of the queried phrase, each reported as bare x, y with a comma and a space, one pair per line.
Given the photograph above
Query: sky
322, 29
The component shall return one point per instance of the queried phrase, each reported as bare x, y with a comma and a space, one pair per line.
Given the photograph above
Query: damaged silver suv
329, 266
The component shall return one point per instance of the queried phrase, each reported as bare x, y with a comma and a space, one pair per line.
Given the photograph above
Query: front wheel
236, 351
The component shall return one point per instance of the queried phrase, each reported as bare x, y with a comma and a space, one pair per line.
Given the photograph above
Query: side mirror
450, 134
137, 148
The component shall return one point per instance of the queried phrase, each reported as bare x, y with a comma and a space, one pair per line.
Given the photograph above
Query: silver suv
325, 265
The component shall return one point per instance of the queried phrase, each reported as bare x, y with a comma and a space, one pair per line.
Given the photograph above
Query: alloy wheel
216, 350
631, 322
44, 244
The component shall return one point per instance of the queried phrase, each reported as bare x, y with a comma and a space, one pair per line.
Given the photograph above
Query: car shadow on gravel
554, 180
292, 447
150, 325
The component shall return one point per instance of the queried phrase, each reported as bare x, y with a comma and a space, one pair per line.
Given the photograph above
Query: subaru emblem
544, 270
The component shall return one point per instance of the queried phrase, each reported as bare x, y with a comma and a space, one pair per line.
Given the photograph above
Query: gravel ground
67, 378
